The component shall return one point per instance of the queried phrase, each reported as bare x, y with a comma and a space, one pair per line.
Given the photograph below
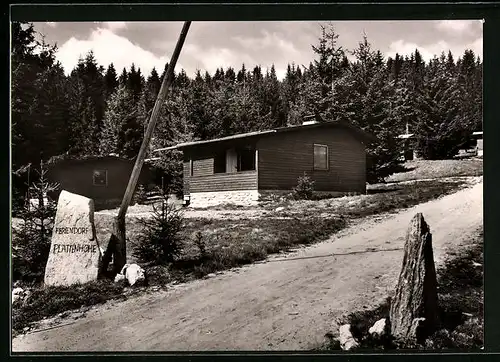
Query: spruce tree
122, 80
31, 243
119, 110
110, 81
440, 126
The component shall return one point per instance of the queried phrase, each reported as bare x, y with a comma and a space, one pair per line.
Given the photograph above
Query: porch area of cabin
222, 173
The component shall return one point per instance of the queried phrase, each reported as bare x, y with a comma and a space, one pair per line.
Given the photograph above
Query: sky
210, 45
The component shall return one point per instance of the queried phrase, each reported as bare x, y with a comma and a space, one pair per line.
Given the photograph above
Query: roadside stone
74, 252
379, 329
15, 298
346, 339
20, 295
119, 277
416, 290
134, 274
63, 314
17, 294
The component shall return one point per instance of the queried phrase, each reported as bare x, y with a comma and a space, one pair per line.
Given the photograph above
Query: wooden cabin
101, 178
244, 168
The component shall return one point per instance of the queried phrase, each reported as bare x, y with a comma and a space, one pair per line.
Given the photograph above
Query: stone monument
414, 307
74, 251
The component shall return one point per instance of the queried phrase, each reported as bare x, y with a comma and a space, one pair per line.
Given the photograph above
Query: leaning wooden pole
117, 243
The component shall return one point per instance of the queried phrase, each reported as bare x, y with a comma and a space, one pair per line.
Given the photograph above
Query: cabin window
246, 160
220, 162
320, 157
100, 178
190, 167
234, 160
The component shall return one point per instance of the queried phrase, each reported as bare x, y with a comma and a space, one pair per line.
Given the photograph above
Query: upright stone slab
416, 291
74, 252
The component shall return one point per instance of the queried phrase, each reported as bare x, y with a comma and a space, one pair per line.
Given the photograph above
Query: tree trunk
115, 250
118, 236
416, 291
120, 251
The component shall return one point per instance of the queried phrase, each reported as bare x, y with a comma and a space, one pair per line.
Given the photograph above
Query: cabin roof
77, 158
66, 159
366, 137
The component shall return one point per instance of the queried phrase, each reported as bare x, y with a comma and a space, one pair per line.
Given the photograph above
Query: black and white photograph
246, 186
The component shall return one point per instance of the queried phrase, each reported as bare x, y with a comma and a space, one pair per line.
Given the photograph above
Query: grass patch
425, 169
404, 196
460, 298
249, 241
48, 301
460, 292
383, 199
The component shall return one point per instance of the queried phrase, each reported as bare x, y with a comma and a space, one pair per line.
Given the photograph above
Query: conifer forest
100, 110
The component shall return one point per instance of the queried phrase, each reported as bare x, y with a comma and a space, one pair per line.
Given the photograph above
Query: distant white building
408, 153
479, 145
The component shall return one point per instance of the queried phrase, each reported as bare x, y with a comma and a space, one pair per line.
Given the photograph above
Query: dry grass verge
49, 301
425, 169
460, 297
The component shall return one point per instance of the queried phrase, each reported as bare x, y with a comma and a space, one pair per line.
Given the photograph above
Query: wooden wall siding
285, 157
204, 179
186, 176
203, 167
246, 180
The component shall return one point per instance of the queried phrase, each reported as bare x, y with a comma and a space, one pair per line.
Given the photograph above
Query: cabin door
231, 160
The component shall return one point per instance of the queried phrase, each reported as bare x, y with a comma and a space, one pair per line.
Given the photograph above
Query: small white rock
17, 294
134, 273
281, 208
379, 328
119, 277
346, 339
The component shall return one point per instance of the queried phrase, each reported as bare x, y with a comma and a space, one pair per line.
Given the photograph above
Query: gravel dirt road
287, 302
